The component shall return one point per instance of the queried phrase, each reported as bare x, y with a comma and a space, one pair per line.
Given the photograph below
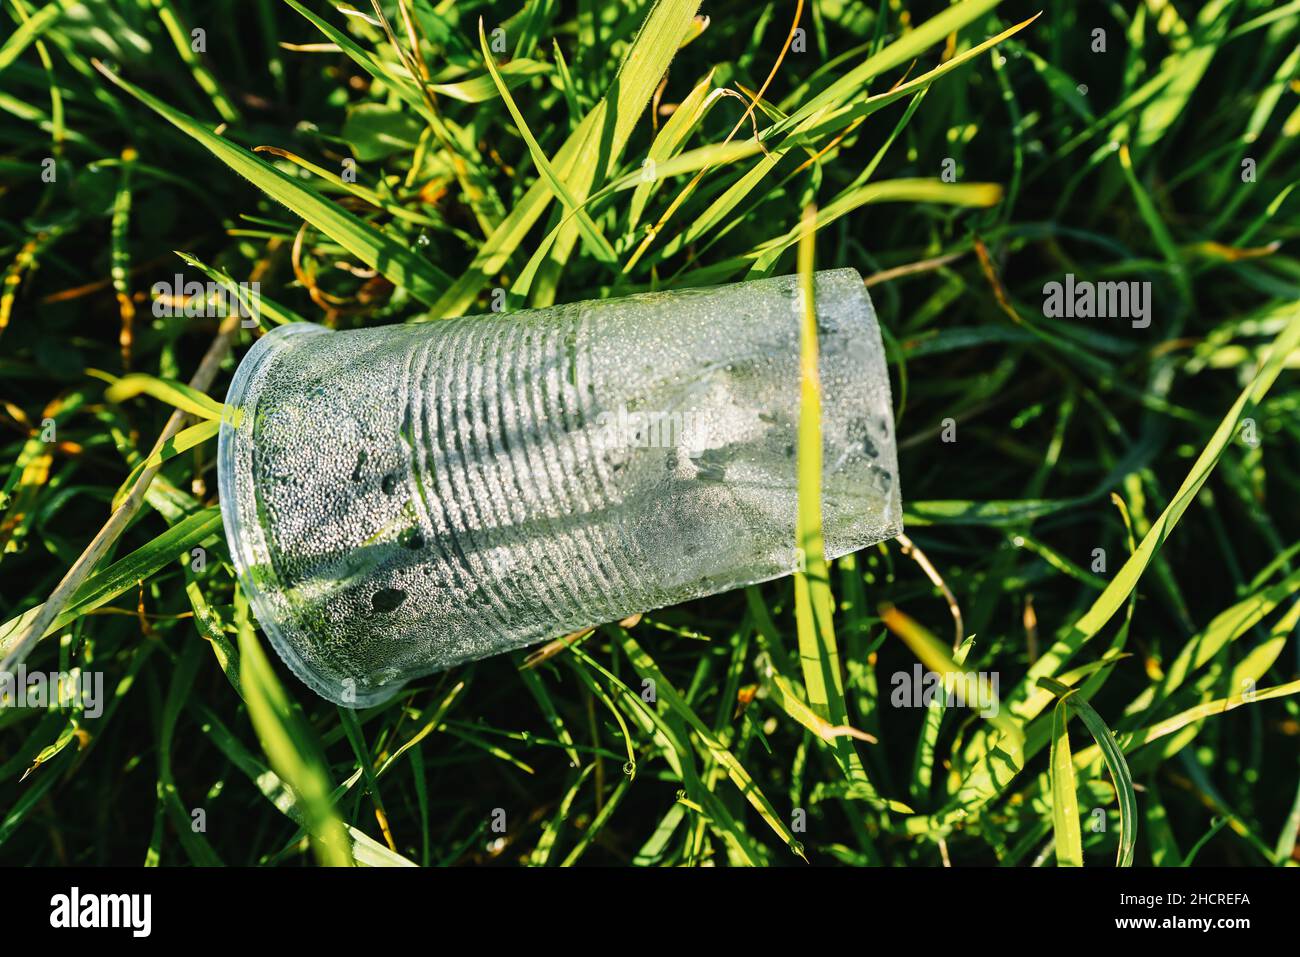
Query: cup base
244, 535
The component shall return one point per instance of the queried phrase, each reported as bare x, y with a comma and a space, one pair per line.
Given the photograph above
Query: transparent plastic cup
403, 499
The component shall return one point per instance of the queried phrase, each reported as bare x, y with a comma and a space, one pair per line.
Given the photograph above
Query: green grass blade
289, 745
1065, 798
175, 394
194, 842
672, 135
29, 31
550, 834
182, 40
479, 89
404, 268
819, 654
907, 47
1126, 578
263, 307
106, 584
602, 134
182, 441
927, 741
1114, 758
646, 667
590, 231
400, 83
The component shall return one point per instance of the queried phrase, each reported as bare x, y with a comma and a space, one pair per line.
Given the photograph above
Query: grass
1101, 515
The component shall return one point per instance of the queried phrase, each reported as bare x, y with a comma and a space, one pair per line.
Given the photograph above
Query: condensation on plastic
403, 499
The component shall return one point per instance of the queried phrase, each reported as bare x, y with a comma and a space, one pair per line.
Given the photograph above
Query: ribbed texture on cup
404, 499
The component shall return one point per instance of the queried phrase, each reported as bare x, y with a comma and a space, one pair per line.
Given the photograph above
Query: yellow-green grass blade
356, 189
262, 307
905, 48
1038, 732
937, 658
593, 830
1183, 719
1154, 219
685, 119
435, 723
107, 583
974, 765
1284, 850
819, 655
829, 120
27, 256
670, 734
468, 166
182, 441
29, 30
289, 744
1226, 627
970, 195
689, 162
479, 89
175, 394
927, 741
1261, 658
1126, 579
420, 278
183, 42
551, 832
784, 696
400, 83
1160, 836
1006, 512
1057, 560
1177, 731
825, 114
630, 767
1065, 798
1006, 755
766, 262
366, 851
533, 682
194, 842
603, 133
676, 704
1186, 68
590, 231
1173, 734
1113, 755
1268, 101
213, 628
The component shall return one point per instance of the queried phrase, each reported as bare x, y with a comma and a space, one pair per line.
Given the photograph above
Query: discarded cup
403, 499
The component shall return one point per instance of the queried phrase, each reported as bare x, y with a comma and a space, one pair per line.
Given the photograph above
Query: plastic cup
403, 499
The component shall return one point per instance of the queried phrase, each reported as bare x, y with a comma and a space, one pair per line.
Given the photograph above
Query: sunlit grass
1100, 516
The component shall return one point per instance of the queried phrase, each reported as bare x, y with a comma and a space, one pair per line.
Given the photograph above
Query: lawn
1077, 226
